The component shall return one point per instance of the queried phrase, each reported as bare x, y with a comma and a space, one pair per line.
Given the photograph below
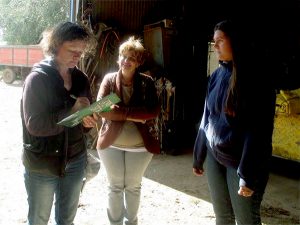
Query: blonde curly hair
135, 45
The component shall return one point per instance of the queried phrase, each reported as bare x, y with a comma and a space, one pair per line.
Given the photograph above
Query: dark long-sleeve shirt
243, 142
45, 102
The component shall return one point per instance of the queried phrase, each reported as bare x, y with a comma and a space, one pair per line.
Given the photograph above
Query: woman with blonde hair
125, 144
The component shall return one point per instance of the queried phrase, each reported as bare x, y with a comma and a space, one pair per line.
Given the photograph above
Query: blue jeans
41, 190
229, 207
124, 171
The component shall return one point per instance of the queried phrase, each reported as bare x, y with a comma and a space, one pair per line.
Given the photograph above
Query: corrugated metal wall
129, 15
126, 17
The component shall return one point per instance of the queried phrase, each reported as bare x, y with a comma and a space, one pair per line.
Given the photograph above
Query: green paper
103, 105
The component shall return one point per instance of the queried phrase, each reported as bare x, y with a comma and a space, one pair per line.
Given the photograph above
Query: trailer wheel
8, 76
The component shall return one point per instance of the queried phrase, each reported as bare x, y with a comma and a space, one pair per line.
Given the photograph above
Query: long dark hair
238, 46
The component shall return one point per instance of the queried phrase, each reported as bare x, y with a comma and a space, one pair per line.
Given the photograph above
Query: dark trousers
229, 207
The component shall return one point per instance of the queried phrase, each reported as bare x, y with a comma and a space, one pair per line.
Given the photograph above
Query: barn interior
177, 34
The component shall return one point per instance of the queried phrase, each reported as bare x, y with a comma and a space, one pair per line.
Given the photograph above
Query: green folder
103, 105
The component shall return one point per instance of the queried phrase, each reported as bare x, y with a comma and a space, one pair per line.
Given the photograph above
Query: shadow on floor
175, 171
286, 168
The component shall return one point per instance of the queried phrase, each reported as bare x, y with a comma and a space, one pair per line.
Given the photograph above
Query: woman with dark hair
54, 156
235, 135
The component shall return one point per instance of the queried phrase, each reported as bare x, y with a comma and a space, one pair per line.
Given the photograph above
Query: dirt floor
171, 194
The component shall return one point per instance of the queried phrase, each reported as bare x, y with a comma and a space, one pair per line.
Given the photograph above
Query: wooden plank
6, 56
20, 55
35, 55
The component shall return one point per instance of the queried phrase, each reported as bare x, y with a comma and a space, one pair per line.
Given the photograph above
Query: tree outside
23, 21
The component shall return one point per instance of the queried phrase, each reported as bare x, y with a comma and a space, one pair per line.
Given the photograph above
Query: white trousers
124, 171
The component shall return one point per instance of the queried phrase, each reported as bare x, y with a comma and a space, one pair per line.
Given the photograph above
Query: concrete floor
171, 194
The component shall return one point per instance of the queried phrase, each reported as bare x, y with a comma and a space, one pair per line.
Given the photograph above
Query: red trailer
18, 60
